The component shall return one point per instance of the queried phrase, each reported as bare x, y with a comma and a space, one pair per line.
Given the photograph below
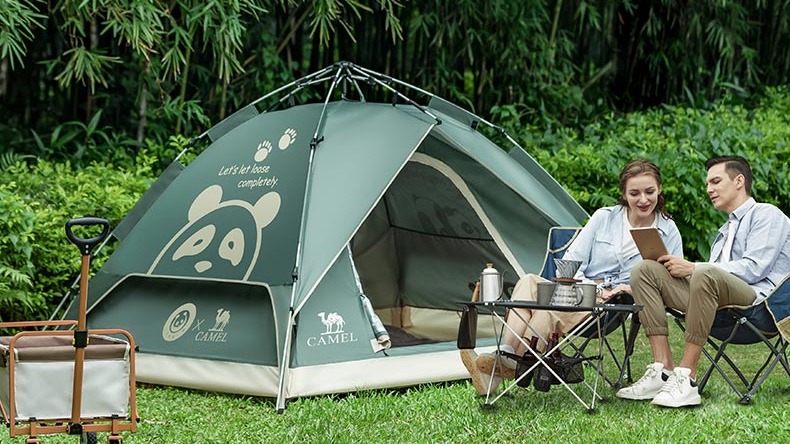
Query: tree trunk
94, 43
3, 77
143, 105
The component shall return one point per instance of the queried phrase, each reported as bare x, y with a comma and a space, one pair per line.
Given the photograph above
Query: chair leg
633, 332
610, 350
783, 356
777, 355
629, 339
714, 361
746, 330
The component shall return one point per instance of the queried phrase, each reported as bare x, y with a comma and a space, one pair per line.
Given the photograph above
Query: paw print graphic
287, 139
264, 148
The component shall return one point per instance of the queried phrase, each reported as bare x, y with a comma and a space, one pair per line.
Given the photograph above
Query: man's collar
743, 209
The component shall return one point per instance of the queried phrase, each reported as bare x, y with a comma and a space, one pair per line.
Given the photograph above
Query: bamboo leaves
554, 62
85, 66
18, 21
137, 23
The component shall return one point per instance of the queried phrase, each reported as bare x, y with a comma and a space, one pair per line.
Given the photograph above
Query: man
749, 257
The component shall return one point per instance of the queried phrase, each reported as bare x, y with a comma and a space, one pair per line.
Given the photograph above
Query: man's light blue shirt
761, 247
599, 246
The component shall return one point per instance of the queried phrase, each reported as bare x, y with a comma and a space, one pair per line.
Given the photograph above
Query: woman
607, 253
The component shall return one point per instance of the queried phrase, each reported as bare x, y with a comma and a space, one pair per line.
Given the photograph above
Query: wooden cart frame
76, 423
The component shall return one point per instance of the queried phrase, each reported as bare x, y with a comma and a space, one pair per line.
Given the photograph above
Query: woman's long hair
638, 167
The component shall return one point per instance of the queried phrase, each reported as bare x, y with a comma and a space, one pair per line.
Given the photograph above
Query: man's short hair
734, 165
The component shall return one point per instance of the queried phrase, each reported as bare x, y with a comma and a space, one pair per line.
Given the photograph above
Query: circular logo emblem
179, 322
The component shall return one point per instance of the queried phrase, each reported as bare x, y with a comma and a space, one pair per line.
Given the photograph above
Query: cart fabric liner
43, 377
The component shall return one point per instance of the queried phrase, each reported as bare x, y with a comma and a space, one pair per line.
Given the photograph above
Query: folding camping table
597, 312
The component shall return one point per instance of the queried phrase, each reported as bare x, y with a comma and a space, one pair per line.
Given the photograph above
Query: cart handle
86, 245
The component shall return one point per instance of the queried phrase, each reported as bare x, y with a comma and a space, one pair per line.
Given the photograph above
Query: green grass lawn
451, 412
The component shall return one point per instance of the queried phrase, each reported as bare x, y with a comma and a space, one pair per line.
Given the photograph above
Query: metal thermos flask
491, 283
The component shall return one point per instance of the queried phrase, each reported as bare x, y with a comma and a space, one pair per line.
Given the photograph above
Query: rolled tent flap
382, 335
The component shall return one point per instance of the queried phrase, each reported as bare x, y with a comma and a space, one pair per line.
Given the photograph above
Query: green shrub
16, 266
678, 140
38, 264
37, 200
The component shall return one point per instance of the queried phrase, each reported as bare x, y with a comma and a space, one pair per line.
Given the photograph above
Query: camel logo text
333, 331
185, 319
217, 332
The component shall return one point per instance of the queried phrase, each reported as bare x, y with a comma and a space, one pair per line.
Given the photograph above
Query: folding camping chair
745, 326
560, 238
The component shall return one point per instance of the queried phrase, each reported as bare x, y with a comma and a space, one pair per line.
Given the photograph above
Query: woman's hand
609, 293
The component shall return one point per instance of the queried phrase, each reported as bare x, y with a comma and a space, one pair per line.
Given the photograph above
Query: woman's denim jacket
599, 246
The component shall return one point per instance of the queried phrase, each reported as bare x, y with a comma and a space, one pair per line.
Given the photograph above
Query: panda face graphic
221, 239
230, 248
206, 248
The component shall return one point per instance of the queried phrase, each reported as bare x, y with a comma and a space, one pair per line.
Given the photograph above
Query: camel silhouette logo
334, 323
333, 334
221, 320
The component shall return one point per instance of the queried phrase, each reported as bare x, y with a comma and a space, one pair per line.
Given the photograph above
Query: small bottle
556, 358
528, 360
544, 379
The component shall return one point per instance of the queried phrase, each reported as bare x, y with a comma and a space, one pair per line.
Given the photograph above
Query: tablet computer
648, 241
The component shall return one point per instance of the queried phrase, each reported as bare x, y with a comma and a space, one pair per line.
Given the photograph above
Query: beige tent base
205, 374
437, 325
375, 373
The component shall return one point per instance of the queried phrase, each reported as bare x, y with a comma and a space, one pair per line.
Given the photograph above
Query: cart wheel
115, 439
32, 440
89, 438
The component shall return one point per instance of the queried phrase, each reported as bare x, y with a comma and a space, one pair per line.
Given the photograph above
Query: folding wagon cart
76, 381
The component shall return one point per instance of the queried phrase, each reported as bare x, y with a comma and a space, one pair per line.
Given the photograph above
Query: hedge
38, 264
36, 201
679, 140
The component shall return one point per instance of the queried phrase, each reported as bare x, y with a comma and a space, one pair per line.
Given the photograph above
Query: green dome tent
253, 269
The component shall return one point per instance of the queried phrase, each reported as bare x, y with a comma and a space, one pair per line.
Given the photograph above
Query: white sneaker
647, 386
679, 390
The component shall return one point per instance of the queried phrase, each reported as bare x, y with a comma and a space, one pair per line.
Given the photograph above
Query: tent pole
284, 364
401, 95
280, 404
297, 89
393, 80
323, 112
297, 82
422, 91
359, 90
